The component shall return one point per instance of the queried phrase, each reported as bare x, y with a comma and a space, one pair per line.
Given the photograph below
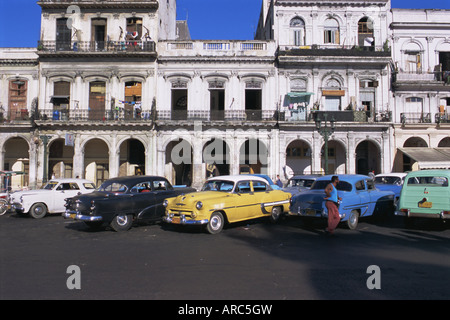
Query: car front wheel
38, 210
122, 222
215, 223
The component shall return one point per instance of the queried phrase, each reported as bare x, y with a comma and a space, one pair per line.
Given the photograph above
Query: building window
179, 100
331, 32
297, 26
134, 29
365, 33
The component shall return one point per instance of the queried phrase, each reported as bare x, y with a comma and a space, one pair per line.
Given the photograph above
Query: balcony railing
415, 117
96, 46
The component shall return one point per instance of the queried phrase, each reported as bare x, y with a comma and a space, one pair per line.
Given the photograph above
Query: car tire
275, 214
38, 210
352, 221
215, 223
122, 223
3, 206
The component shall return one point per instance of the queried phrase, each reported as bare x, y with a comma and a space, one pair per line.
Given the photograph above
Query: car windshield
321, 184
388, 180
50, 185
112, 186
429, 181
300, 183
218, 185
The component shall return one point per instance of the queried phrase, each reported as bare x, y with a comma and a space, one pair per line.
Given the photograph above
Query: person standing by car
332, 205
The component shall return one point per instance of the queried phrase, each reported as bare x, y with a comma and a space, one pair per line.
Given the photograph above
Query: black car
120, 201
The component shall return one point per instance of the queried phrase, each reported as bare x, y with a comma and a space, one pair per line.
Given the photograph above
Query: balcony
420, 81
111, 48
335, 55
216, 48
95, 4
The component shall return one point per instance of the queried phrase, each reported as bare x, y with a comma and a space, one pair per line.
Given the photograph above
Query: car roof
236, 178
435, 172
69, 180
134, 179
345, 177
392, 174
306, 176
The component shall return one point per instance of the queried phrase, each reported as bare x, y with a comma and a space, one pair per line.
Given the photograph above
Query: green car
425, 194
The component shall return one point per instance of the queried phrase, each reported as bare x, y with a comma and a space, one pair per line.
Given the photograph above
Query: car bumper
409, 214
182, 220
18, 207
78, 216
312, 213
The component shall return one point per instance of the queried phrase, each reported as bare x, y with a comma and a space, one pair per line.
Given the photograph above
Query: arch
444, 143
16, 158
60, 159
216, 156
253, 156
297, 31
132, 154
367, 157
298, 157
415, 142
96, 164
179, 162
337, 157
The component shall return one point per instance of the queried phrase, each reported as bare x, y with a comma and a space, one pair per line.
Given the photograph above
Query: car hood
190, 199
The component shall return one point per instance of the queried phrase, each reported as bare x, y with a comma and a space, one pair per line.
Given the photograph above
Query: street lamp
325, 131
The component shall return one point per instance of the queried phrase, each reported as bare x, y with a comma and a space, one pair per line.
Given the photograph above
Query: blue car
267, 178
392, 182
359, 196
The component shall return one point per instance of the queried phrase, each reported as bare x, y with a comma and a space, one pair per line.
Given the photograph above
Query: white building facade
113, 90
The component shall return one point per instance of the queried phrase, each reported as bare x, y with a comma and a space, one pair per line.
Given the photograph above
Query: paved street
255, 260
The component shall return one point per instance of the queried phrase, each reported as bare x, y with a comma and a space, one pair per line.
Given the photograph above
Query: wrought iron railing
96, 46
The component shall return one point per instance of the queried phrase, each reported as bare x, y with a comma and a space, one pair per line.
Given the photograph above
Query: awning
59, 99
429, 158
296, 97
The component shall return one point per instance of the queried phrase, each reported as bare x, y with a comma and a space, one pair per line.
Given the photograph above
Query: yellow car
227, 199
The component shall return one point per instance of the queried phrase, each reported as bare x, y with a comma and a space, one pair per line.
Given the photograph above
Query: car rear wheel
122, 222
215, 223
352, 221
275, 214
38, 210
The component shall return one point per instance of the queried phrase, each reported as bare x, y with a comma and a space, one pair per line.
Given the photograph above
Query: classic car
300, 183
425, 194
227, 199
267, 178
50, 198
392, 182
120, 201
359, 196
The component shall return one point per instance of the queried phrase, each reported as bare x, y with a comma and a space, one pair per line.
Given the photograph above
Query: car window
89, 185
428, 181
65, 186
360, 185
341, 186
141, 187
50, 185
243, 187
370, 184
159, 185
388, 180
218, 185
259, 186
110, 186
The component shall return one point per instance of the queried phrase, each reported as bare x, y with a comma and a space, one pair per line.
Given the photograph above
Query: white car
51, 198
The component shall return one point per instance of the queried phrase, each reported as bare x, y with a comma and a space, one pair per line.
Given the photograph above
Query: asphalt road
249, 261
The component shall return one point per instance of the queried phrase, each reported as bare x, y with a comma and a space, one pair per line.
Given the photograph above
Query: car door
142, 198
371, 195
363, 196
262, 195
245, 201
63, 191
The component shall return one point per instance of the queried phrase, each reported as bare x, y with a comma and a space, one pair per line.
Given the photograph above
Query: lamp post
325, 131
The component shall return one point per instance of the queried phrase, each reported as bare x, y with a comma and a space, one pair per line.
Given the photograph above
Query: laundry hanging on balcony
296, 97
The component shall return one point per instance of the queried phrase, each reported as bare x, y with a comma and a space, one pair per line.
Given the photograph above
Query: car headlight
199, 205
165, 203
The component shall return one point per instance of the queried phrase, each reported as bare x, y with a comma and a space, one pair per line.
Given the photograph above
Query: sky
207, 19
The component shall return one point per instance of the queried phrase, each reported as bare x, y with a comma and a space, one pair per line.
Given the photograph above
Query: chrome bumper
18, 207
78, 216
183, 221
410, 214
315, 214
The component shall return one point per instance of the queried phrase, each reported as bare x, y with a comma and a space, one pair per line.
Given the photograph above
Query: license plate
425, 204
310, 212
72, 216
176, 220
